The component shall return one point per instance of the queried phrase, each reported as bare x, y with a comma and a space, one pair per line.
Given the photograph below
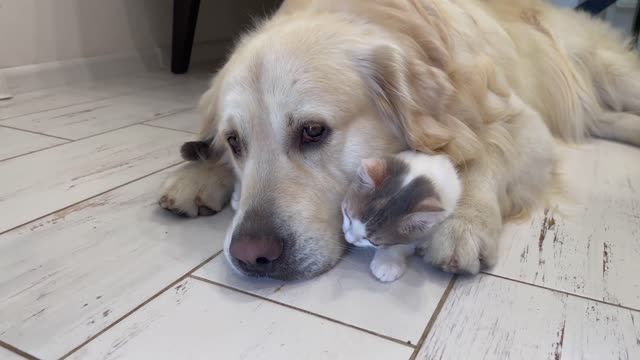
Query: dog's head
298, 105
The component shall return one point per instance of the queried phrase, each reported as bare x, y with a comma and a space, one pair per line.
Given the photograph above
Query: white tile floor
90, 268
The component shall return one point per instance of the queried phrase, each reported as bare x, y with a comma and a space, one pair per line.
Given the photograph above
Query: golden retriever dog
322, 84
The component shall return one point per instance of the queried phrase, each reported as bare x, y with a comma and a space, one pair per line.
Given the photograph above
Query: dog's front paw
387, 269
459, 247
197, 189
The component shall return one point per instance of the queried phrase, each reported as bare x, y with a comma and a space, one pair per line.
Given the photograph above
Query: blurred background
119, 36
93, 38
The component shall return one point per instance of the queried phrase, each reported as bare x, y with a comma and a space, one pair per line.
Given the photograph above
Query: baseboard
38, 76
26, 78
203, 52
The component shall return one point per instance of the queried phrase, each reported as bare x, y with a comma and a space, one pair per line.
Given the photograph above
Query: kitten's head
384, 207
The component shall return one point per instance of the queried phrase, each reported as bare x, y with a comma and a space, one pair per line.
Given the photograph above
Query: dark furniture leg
636, 26
595, 6
185, 16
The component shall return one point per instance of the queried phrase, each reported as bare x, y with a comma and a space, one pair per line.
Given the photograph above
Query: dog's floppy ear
206, 147
195, 150
208, 108
419, 98
410, 93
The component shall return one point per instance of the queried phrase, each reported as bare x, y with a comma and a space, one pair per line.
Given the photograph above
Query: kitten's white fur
440, 170
389, 263
354, 230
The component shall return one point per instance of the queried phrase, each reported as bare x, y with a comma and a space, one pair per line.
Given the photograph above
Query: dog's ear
409, 93
208, 146
195, 150
208, 108
419, 98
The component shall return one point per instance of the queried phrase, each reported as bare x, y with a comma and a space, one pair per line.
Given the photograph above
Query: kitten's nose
351, 237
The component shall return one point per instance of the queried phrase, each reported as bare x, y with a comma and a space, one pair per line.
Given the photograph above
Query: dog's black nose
255, 251
256, 244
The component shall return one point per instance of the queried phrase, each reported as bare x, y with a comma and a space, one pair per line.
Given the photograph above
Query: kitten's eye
234, 144
371, 243
312, 133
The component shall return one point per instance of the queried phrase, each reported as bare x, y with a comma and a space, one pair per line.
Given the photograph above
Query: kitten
394, 202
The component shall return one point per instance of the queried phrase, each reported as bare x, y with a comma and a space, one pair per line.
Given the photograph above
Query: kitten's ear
428, 213
372, 172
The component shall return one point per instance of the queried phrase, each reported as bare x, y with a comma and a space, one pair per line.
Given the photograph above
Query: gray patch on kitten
385, 206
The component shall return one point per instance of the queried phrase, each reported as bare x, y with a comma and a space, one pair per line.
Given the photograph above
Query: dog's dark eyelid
311, 134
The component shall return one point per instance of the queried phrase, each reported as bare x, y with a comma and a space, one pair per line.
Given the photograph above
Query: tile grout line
91, 197
141, 122
57, 108
34, 132
166, 128
125, 93
69, 141
585, 297
17, 351
153, 297
405, 343
35, 151
434, 316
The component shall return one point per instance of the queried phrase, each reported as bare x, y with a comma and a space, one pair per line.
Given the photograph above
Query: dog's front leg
198, 188
467, 240
509, 178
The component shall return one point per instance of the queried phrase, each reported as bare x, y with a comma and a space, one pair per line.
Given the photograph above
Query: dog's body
325, 83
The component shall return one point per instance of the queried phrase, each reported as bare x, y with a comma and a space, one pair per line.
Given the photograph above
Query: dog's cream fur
486, 82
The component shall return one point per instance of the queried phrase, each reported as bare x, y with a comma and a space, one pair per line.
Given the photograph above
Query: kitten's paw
387, 271
460, 247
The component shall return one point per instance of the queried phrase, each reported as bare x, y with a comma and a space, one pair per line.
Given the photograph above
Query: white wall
43, 31
569, 3
621, 15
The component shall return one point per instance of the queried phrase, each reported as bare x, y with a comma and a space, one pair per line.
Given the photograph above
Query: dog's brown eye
312, 133
234, 144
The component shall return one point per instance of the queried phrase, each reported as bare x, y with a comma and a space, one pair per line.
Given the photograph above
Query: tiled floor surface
91, 268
